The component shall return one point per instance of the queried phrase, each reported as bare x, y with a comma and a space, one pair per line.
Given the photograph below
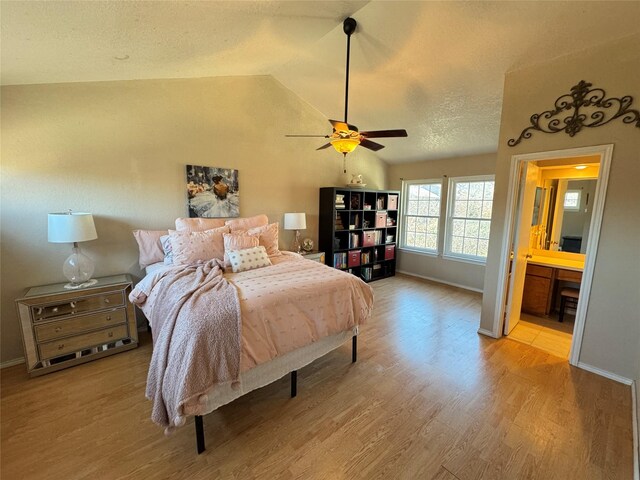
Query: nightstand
313, 255
63, 327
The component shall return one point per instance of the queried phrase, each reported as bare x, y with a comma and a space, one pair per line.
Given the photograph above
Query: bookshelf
358, 230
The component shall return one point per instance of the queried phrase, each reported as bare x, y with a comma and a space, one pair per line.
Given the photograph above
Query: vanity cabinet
536, 297
541, 285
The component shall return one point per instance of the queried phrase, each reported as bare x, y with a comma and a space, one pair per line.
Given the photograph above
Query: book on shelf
366, 273
340, 260
354, 240
365, 257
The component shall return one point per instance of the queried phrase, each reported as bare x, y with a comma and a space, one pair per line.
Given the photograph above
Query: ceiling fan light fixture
345, 145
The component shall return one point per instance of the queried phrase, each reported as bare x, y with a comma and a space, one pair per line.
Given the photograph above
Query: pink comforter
293, 303
283, 307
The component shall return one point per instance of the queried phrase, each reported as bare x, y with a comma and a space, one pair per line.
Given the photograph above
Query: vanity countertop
576, 265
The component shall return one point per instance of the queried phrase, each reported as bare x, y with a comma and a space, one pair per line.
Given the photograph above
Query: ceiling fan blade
308, 136
326, 145
343, 126
384, 133
371, 145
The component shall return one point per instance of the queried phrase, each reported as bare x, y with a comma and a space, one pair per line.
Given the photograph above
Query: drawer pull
106, 300
73, 304
58, 329
110, 334
54, 309
61, 346
108, 318
39, 311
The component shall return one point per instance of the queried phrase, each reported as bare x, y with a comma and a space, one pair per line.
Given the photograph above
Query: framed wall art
212, 192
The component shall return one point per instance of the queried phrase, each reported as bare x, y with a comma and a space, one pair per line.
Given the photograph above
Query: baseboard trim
636, 433
604, 373
488, 333
11, 363
437, 280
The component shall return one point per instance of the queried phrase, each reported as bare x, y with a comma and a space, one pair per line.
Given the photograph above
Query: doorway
547, 267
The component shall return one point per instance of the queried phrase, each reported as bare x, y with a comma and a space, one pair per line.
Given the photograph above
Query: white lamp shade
295, 221
69, 227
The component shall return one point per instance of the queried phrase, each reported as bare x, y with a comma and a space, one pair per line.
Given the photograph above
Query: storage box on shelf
358, 230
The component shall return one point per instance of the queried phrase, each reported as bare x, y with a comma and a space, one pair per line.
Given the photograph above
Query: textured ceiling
434, 68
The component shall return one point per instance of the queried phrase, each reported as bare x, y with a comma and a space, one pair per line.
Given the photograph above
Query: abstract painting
212, 192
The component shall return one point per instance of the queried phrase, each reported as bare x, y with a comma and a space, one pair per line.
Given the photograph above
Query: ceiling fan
346, 137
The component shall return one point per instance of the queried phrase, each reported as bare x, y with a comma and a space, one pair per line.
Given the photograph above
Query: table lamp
74, 227
297, 222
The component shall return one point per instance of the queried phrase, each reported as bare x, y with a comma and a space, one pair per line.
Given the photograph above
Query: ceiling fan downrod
348, 26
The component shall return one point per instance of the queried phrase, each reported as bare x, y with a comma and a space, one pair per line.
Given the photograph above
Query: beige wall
466, 274
612, 328
119, 150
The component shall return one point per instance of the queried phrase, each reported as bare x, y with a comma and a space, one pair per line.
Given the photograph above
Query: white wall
119, 150
466, 274
612, 328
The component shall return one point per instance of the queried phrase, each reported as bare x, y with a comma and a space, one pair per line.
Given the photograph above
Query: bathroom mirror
564, 224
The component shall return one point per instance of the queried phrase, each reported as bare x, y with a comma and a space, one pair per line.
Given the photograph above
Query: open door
520, 244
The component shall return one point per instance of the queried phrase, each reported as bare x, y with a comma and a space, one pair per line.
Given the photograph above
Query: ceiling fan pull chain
344, 162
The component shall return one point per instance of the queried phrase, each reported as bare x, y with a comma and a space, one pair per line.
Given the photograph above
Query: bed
290, 312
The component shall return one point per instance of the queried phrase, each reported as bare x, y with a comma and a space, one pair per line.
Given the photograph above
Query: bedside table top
312, 252
59, 287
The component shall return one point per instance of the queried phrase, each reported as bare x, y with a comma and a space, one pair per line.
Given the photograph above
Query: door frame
512, 216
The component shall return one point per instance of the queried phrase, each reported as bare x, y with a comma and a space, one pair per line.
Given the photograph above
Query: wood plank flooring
429, 398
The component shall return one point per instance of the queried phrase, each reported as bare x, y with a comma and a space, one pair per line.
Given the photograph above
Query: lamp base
78, 269
295, 245
74, 286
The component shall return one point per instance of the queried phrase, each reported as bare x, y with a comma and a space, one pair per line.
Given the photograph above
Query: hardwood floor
429, 398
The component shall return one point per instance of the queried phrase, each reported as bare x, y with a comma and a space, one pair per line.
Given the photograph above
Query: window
572, 200
420, 222
469, 217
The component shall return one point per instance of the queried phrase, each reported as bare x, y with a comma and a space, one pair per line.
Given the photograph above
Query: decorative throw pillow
165, 241
268, 237
149, 246
248, 259
238, 241
198, 224
197, 247
246, 223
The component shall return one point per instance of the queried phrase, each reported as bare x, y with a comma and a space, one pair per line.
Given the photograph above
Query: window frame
564, 199
448, 229
406, 184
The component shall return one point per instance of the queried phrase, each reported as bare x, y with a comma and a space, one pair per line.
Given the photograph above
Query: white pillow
165, 240
248, 259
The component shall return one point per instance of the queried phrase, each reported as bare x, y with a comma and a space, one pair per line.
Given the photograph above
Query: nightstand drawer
77, 305
81, 342
79, 324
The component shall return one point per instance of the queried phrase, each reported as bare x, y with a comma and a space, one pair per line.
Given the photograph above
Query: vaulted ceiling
434, 68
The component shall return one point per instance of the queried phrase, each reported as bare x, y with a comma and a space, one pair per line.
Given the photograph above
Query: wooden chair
568, 298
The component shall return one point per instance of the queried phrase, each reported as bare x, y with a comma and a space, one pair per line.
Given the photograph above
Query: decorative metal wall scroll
588, 107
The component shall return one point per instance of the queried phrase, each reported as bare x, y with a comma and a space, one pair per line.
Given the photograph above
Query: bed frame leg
199, 434
354, 348
294, 383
